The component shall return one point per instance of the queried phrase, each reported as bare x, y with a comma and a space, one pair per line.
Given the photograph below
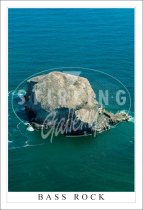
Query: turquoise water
100, 39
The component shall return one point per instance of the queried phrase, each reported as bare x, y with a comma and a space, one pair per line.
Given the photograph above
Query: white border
138, 108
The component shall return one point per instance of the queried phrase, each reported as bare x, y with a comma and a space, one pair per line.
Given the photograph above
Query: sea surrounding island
73, 40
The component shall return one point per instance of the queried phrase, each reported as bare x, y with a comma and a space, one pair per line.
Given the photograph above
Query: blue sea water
100, 39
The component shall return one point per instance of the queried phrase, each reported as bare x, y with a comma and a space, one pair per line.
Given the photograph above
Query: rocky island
68, 102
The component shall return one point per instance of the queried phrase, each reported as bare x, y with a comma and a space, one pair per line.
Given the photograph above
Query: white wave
26, 123
131, 119
30, 128
10, 142
26, 145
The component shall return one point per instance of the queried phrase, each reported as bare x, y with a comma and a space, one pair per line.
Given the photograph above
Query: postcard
71, 105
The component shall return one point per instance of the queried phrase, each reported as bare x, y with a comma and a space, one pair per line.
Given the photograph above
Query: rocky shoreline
67, 102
